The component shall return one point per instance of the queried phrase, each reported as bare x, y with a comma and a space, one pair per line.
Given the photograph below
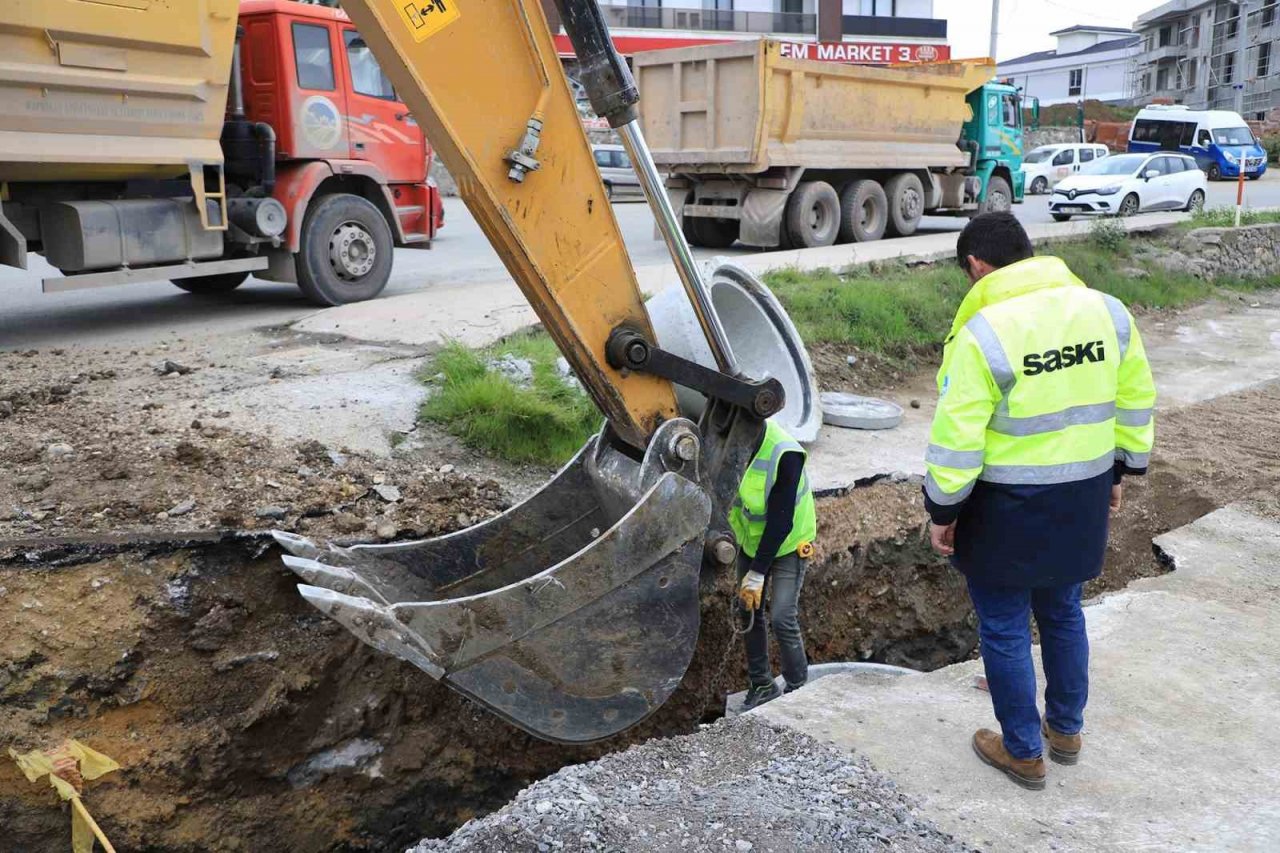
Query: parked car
1125, 184
615, 170
1220, 141
1045, 166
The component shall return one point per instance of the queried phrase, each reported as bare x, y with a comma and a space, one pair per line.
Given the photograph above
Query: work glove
751, 591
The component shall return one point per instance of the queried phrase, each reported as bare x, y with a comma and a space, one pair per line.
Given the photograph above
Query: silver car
619, 178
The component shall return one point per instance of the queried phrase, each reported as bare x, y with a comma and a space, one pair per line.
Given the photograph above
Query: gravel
736, 785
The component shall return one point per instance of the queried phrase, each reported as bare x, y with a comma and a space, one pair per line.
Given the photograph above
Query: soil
176, 643
869, 371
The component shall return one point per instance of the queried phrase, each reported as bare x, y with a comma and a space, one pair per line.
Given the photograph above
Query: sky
1025, 24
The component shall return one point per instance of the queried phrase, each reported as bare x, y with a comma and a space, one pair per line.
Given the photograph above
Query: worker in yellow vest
1045, 403
775, 522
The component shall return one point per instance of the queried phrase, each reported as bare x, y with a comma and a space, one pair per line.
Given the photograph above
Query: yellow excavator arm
574, 614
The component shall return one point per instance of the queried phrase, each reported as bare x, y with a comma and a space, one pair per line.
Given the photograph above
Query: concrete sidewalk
478, 313
1180, 733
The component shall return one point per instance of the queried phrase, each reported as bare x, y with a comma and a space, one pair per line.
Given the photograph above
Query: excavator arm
575, 614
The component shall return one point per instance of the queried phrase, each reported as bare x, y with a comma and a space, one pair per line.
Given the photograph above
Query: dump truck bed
112, 89
744, 108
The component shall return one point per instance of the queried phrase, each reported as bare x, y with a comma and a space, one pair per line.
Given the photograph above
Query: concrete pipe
762, 336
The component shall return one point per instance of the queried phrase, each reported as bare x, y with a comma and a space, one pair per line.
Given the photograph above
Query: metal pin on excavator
575, 614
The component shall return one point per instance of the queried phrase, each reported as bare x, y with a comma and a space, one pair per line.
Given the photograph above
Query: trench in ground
245, 720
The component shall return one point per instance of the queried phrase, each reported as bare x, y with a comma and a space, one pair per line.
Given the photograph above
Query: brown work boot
1027, 772
1063, 749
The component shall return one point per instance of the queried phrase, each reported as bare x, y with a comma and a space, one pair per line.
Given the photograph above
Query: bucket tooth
573, 615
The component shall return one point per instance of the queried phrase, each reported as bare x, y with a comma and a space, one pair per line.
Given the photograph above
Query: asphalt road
142, 314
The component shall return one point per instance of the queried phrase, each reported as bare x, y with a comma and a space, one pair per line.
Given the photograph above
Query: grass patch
544, 420
903, 313
1225, 217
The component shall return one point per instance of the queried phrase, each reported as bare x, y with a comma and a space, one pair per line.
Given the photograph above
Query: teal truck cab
994, 138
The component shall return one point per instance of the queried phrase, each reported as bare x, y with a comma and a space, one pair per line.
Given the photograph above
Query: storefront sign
866, 53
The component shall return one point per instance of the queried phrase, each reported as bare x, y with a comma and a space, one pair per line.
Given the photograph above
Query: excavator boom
575, 614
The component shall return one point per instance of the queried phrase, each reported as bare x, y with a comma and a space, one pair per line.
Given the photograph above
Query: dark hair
997, 238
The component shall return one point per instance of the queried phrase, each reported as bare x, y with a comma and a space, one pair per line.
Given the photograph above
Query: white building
1090, 63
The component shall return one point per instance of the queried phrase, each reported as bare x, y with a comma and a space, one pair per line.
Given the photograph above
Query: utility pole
1241, 74
995, 26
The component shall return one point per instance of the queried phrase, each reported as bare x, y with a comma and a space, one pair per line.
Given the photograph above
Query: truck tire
714, 233
812, 217
346, 250
864, 212
211, 285
999, 196
906, 204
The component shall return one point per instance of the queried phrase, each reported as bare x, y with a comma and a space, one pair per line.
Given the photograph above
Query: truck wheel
864, 212
999, 196
812, 216
906, 204
346, 251
210, 285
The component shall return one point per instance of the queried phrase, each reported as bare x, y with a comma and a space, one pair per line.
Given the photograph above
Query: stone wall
1252, 251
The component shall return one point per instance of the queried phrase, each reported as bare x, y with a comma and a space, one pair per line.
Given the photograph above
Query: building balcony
882, 26
709, 20
1170, 52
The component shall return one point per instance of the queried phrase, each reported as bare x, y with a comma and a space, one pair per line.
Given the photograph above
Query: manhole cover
854, 412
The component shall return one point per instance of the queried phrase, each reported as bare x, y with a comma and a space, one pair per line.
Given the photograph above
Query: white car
1045, 166
1131, 183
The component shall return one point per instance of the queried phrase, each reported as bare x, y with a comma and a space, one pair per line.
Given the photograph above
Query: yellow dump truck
775, 151
203, 141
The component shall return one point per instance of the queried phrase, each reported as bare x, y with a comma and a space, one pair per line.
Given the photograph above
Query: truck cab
994, 136
341, 130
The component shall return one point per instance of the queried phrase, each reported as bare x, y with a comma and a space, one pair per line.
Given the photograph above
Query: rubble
738, 784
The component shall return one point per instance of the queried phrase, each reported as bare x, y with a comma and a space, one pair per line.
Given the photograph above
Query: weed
1109, 235
1225, 217
545, 420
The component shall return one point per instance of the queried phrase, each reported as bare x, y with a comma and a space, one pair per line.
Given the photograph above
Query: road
144, 313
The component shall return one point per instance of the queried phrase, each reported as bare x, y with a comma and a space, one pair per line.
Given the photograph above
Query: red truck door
321, 97
380, 128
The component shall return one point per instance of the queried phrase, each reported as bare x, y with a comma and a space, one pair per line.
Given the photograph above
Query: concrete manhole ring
854, 412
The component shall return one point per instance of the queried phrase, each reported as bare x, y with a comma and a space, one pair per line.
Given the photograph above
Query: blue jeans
1004, 626
786, 577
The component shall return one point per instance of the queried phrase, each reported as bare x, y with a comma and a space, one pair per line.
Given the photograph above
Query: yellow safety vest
747, 515
1043, 381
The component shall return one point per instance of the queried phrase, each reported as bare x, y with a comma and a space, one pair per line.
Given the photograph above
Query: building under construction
1193, 53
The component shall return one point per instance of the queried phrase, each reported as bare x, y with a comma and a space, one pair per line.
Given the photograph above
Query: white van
1048, 164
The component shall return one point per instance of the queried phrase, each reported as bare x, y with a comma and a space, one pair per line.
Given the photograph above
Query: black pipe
266, 135
237, 79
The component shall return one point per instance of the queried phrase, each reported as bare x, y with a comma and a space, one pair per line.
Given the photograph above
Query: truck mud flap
574, 615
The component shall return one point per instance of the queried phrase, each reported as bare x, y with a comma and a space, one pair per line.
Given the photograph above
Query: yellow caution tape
72, 759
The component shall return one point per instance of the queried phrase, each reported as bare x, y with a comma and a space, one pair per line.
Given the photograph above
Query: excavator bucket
573, 615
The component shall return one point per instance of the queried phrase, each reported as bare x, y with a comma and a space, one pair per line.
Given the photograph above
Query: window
1075, 82
1233, 135
1009, 106
1233, 27
1189, 74
366, 75
1188, 136
1162, 79
1229, 68
313, 57
1166, 36
1086, 155
1171, 166
1204, 140
882, 8
1064, 158
1146, 83
1264, 59
603, 159
1268, 13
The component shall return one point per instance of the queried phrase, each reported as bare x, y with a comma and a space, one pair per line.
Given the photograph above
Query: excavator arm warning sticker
425, 18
